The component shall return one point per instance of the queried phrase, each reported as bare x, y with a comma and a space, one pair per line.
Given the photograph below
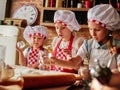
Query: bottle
71, 3
83, 3
64, 3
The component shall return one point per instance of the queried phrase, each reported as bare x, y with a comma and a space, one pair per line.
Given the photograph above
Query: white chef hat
105, 15
34, 30
67, 18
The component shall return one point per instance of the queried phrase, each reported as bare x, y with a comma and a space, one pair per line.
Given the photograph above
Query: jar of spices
79, 5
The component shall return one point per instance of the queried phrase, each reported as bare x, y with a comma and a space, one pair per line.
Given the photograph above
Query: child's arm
115, 50
22, 59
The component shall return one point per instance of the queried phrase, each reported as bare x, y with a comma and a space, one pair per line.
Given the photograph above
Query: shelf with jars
47, 15
79, 7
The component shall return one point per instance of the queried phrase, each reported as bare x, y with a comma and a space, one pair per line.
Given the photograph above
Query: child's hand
96, 85
66, 51
18, 49
35, 66
52, 60
115, 50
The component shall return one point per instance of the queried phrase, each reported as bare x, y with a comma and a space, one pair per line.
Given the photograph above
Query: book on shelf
52, 3
46, 3
58, 3
61, 3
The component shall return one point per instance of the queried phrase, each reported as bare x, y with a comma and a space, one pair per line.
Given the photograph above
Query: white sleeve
118, 59
25, 52
82, 51
54, 42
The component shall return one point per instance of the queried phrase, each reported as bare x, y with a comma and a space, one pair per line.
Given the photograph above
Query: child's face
97, 32
62, 30
36, 41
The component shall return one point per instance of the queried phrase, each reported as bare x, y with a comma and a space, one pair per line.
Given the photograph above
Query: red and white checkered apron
33, 56
59, 54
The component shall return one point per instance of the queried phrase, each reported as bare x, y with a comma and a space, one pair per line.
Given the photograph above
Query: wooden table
33, 78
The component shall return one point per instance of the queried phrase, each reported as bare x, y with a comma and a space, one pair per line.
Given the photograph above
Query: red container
88, 4
118, 5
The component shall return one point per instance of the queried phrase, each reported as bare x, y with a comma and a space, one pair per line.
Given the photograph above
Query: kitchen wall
38, 3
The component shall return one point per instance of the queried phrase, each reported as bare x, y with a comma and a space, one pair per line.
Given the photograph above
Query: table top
33, 78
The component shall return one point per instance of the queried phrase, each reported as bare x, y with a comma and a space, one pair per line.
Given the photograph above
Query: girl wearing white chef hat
35, 36
102, 20
66, 44
105, 19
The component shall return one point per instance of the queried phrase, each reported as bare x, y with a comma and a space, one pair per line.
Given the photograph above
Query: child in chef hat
102, 20
67, 18
66, 43
108, 18
33, 55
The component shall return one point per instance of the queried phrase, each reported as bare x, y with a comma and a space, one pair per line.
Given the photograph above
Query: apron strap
88, 47
55, 50
70, 43
69, 46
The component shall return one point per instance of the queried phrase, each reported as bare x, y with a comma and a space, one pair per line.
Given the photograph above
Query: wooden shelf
52, 25
60, 8
48, 13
